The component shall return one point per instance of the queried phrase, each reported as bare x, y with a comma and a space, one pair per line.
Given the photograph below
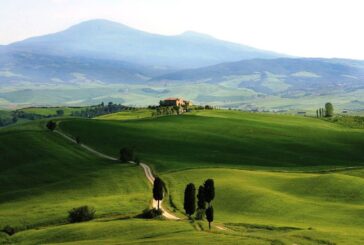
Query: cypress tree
209, 189
158, 190
210, 215
201, 202
190, 199
317, 113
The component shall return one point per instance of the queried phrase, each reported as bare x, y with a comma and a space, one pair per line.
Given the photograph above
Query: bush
126, 154
9, 230
51, 125
137, 160
81, 214
151, 213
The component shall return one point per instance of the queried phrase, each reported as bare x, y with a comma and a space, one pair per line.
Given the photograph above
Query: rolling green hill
227, 139
261, 198
42, 176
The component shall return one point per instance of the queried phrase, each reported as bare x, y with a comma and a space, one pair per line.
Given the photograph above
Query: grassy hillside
329, 203
227, 139
302, 208
42, 176
45, 111
127, 115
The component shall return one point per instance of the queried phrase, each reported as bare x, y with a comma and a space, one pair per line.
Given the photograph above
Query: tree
190, 199
329, 110
51, 125
210, 215
317, 113
158, 190
209, 189
126, 154
60, 113
201, 202
78, 139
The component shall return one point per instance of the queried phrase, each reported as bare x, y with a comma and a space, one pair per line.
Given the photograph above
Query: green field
43, 176
45, 111
278, 179
128, 115
227, 139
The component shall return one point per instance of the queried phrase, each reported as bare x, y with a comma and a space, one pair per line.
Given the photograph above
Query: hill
43, 175
103, 39
287, 77
223, 138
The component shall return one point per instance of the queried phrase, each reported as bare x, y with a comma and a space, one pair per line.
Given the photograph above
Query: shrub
9, 230
126, 154
151, 213
137, 160
80, 214
51, 125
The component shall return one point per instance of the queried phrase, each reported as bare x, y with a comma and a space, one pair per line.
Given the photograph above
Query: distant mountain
102, 39
277, 75
20, 66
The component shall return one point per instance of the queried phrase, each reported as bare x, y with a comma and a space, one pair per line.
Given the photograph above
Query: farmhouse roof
172, 98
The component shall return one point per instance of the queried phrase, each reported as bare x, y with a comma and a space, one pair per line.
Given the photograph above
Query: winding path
146, 168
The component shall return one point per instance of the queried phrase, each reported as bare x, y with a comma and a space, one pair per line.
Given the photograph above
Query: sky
307, 28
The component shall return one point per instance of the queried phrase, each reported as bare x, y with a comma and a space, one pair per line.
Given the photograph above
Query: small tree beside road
158, 190
190, 200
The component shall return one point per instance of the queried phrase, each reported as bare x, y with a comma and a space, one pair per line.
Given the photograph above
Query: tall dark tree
317, 113
209, 188
158, 190
329, 108
51, 125
210, 215
201, 202
189, 203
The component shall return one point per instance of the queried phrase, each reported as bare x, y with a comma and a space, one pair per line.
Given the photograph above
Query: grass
326, 202
227, 139
45, 111
128, 115
42, 176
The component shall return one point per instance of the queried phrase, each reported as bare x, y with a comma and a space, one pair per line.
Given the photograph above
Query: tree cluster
328, 111
206, 194
7, 121
167, 110
101, 109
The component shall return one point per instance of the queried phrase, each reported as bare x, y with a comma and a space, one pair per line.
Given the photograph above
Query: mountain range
136, 67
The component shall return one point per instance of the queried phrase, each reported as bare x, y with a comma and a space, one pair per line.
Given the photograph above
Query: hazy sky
316, 28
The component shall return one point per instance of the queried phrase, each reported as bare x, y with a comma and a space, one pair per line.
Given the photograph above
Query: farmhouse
175, 102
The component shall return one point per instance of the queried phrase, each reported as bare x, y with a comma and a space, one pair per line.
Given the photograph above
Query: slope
227, 139
43, 176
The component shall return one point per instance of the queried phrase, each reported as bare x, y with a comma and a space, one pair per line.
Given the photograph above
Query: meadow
222, 138
279, 179
43, 176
